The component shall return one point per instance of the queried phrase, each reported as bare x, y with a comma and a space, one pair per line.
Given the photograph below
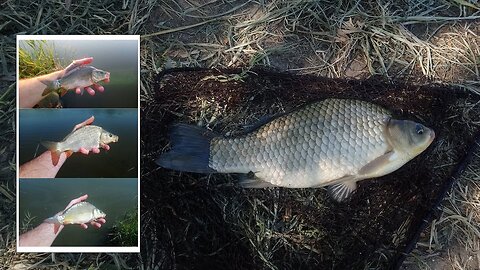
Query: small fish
82, 76
82, 212
88, 137
334, 142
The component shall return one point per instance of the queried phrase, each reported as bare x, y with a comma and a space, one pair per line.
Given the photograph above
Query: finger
83, 151
83, 61
84, 123
90, 91
95, 150
77, 200
98, 87
78, 91
77, 63
102, 220
106, 147
84, 226
96, 224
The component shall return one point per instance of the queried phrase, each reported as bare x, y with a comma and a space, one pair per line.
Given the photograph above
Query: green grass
125, 231
36, 57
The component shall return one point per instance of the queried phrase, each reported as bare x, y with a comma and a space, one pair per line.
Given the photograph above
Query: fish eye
110, 135
419, 129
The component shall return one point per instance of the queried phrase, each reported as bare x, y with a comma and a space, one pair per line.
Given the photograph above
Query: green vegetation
125, 231
36, 57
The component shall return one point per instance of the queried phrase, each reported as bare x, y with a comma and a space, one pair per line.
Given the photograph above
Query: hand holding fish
94, 150
78, 211
77, 76
84, 138
94, 222
72, 77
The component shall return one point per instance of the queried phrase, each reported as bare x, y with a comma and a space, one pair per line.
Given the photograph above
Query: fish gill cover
210, 221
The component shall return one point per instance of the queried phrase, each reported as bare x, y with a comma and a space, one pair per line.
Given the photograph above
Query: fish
80, 213
82, 76
332, 143
88, 137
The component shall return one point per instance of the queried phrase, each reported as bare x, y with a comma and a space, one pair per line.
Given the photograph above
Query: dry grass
453, 239
424, 40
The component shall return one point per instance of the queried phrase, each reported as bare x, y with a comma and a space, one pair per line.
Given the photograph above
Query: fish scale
87, 137
334, 142
293, 152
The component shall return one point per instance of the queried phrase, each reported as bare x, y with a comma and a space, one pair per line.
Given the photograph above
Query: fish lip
432, 136
107, 75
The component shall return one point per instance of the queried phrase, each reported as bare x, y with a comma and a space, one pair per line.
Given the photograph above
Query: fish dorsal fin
377, 166
260, 122
72, 71
342, 190
251, 181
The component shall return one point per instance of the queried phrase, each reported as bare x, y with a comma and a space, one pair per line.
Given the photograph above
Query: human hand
78, 63
95, 223
95, 150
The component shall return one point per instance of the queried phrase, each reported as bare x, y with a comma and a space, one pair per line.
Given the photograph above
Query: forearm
31, 90
41, 167
41, 236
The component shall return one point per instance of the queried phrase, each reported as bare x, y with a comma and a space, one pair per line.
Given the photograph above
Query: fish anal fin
55, 157
377, 167
69, 153
63, 92
251, 181
342, 190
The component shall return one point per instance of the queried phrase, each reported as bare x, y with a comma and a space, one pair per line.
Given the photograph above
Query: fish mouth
432, 136
107, 76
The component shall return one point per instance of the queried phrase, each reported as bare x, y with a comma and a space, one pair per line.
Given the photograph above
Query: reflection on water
119, 57
36, 125
43, 198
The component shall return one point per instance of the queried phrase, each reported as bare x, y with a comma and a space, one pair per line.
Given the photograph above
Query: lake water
119, 57
43, 198
36, 125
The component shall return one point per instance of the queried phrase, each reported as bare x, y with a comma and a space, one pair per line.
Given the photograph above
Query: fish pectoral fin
342, 191
249, 181
376, 167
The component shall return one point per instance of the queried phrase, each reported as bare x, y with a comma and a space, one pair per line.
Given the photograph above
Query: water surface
119, 57
36, 125
43, 198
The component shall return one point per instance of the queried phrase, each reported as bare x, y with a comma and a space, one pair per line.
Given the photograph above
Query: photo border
77, 249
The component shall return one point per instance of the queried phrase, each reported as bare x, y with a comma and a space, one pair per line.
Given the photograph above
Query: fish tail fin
52, 220
53, 148
190, 149
51, 86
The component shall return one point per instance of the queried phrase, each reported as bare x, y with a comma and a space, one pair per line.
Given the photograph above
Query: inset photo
76, 143
65, 214
78, 71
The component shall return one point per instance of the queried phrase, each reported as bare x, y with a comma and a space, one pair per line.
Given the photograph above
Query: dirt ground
305, 228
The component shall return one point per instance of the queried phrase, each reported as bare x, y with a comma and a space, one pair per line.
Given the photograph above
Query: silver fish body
332, 142
82, 212
87, 137
81, 77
